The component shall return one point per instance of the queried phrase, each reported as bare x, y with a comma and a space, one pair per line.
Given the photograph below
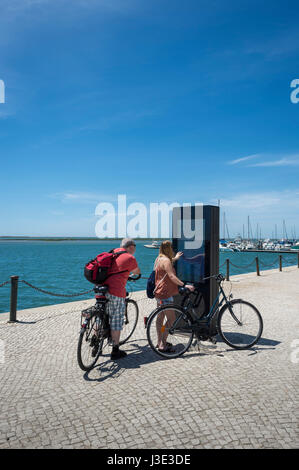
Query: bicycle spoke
130, 321
90, 343
168, 333
242, 327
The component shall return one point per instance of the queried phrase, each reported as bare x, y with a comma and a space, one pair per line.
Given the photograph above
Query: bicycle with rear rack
95, 333
238, 322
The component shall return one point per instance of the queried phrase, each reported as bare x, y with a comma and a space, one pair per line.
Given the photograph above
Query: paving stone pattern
209, 399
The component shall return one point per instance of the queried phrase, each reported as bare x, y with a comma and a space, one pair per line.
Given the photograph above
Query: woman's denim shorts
165, 301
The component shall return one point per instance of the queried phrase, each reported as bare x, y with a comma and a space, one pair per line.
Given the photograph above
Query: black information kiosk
195, 231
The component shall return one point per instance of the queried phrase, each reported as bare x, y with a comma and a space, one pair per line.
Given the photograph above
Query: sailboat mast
285, 235
248, 228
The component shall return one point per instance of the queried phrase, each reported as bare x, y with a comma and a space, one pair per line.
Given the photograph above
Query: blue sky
159, 100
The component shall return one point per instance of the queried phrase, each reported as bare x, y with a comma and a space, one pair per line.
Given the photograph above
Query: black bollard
227, 269
257, 266
13, 298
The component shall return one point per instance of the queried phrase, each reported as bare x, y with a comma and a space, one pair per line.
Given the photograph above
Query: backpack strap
161, 280
116, 256
119, 253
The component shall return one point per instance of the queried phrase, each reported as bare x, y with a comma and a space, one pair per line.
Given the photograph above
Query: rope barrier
241, 267
55, 294
269, 265
4, 283
14, 280
289, 262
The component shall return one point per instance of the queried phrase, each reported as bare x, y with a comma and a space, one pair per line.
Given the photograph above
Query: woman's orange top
165, 287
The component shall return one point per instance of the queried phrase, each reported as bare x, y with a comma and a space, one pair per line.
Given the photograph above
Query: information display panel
188, 237
196, 233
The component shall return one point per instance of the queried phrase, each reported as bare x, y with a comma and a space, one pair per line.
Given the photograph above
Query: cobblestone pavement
219, 399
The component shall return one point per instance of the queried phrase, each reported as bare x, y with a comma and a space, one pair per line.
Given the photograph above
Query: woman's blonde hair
166, 250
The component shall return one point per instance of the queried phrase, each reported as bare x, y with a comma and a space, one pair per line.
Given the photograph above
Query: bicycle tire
133, 320
83, 332
228, 336
184, 330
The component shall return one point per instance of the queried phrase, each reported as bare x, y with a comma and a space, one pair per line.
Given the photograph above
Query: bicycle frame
204, 320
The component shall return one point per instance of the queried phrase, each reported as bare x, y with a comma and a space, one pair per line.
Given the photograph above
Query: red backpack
96, 270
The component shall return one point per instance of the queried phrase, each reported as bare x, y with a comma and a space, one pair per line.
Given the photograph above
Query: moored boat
154, 244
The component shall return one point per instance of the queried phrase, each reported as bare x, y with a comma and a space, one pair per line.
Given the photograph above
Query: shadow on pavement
26, 322
270, 343
140, 355
137, 357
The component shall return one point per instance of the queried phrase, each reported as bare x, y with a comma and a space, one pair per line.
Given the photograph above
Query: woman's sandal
167, 345
168, 348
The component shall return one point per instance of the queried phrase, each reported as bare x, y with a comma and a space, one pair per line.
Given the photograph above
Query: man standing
116, 306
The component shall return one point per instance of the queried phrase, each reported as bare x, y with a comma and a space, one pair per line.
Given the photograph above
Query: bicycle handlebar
184, 290
218, 277
131, 278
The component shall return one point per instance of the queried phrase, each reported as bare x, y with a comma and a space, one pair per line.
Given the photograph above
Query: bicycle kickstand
196, 345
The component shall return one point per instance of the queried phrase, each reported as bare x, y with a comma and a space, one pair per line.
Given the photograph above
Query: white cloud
242, 159
288, 160
284, 43
281, 162
108, 122
82, 197
57, 213
266, 208
13, 8
252, 201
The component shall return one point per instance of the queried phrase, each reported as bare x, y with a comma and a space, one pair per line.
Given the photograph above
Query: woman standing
166, 286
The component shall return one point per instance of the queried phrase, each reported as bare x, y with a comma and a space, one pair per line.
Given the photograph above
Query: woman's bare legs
159, 324
162, 330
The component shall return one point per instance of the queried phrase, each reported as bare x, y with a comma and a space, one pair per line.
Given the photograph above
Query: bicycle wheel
242, 327
90, 343
130, 320
167, 324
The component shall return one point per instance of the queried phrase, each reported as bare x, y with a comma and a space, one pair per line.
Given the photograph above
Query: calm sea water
58, 267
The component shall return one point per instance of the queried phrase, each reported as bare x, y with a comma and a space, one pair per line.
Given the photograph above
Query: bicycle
239, 323
95, 332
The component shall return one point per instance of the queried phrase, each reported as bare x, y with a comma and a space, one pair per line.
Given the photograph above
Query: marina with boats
238, 244
257, 243
274, 246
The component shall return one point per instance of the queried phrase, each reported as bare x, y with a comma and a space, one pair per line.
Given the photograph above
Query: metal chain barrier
241, 267
4, 283
269, 265
288, 263
55, 294
14, 280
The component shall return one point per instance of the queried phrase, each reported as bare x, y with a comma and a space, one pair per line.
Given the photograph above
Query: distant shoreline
60, 239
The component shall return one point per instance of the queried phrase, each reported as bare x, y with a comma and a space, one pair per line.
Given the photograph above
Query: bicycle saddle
184, 290
101, 289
